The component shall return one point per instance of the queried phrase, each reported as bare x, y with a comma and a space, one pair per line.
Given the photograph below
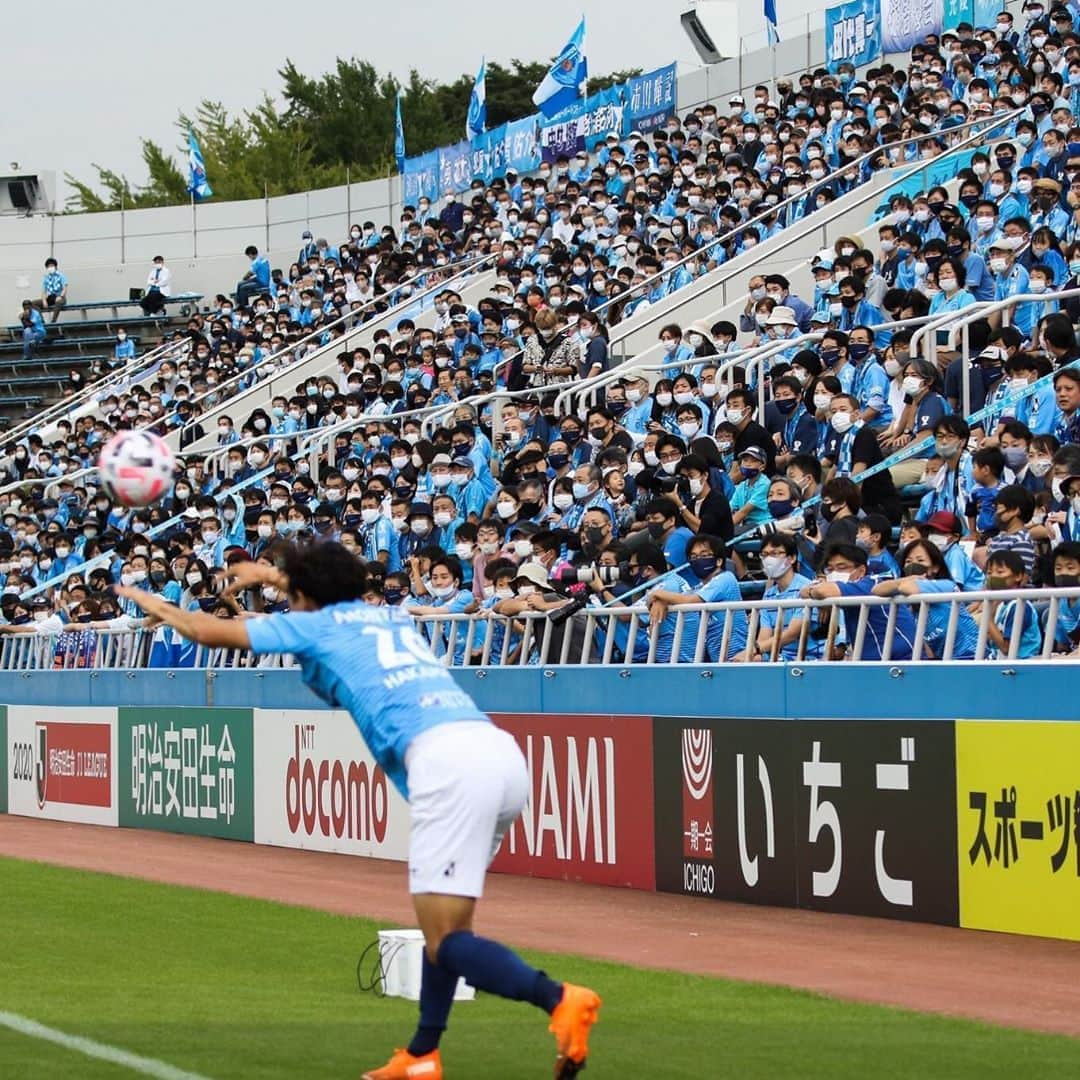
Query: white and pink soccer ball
136, 468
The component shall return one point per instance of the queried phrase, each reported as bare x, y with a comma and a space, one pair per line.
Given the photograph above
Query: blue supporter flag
197, 184
476, 121
770, 22
565, 82
399, 137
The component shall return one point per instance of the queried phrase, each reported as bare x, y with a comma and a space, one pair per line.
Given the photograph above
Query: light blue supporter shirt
372, 662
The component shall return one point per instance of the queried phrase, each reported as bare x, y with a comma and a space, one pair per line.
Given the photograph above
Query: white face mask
734, 416
841, 422
775, 566
442, 592
563, 500
696, 485
689, 430
911, 385
369, 515
939, 540
838, 577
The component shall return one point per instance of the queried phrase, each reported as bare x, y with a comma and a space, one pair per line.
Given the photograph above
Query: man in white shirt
158, 287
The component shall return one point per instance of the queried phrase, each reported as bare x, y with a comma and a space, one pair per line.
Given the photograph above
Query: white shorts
468, 781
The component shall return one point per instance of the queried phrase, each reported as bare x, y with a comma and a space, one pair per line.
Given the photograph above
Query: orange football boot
403, 1066
570, 1023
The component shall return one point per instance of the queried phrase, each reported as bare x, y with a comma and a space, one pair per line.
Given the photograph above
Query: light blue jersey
372, 662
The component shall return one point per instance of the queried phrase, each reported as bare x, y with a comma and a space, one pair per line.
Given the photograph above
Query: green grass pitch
235, 988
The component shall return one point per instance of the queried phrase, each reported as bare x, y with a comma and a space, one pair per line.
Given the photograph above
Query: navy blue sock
495, 969
437, 987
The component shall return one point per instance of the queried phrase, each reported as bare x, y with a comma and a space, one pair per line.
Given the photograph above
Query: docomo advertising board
318, 787
61, 763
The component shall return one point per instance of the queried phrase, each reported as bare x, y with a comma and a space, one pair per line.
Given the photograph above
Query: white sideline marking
147, 1066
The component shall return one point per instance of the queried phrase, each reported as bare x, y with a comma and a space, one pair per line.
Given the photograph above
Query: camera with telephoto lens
794, 523
584, 575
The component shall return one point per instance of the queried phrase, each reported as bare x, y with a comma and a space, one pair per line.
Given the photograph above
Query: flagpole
585, 53
194, 230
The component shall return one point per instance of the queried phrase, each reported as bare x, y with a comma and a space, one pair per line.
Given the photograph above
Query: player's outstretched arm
196, 626
250, 575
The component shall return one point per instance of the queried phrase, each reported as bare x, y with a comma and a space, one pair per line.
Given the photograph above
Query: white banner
62, 763
318, 787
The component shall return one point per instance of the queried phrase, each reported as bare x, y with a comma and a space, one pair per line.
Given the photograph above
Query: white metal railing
602, 635
577, 634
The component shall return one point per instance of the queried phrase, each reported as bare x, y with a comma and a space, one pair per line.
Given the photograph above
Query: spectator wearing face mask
844, 574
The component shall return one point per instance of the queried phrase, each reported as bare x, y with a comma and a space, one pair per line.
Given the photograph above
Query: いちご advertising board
846, 816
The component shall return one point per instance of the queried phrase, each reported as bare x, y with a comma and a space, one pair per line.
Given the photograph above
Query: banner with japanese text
421, 178
642, 103
1018, 826
580, 127
853, 33
650, 99
905, 23
956, 12
187, 771
62, 763
837, 815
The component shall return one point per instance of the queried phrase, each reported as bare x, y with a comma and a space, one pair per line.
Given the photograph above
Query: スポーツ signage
844, 816
317, 786
187, 770
63, 769
589, 816
3, 760
1018, 826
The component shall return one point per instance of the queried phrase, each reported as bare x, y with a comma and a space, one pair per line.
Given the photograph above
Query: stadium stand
794, 378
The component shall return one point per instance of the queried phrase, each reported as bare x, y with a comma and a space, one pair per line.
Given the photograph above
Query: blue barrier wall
922, 691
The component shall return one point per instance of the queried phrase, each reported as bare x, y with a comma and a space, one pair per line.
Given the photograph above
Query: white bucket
401, 954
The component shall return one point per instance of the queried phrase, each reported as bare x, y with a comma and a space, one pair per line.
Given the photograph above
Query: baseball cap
754, 452
944, 521
533, 572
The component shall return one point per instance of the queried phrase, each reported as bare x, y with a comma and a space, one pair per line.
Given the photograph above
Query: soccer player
465, 779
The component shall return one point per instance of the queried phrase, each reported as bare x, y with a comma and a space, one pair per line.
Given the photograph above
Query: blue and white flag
197, 185
770, 22
853, 33
399, 137
565, 82
476, 121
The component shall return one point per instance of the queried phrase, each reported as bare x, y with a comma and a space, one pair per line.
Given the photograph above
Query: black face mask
1066, 581
914, 569
594, 535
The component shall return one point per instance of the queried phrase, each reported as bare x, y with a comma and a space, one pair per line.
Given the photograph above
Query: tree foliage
331, 127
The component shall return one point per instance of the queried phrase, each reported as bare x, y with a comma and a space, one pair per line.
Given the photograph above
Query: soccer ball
136, 468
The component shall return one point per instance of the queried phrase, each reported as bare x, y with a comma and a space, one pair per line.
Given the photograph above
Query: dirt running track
999, 978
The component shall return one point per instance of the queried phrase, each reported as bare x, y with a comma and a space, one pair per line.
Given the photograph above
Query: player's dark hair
325, 572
